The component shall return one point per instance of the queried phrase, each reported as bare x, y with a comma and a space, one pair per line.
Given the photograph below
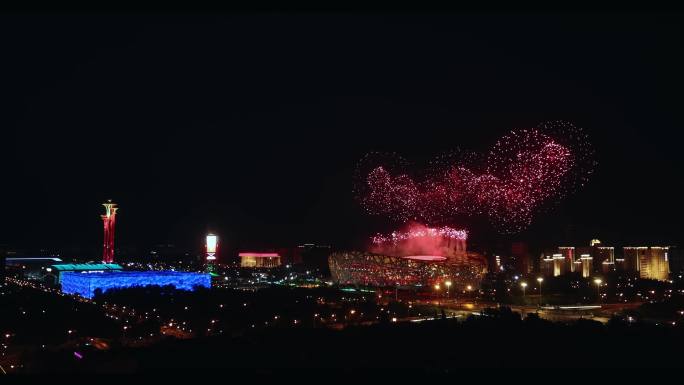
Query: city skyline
273, 167
210, 193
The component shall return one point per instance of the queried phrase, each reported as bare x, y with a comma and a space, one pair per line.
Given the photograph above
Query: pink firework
418, 231
419, 241
524, 171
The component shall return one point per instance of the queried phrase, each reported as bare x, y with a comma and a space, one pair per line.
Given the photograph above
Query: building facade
259, 260
586, 260
649, 262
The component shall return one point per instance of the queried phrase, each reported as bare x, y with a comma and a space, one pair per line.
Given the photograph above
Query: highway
596, 312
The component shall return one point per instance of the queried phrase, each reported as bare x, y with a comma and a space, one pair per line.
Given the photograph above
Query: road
596, 312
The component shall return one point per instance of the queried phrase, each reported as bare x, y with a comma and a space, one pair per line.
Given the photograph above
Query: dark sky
250, 125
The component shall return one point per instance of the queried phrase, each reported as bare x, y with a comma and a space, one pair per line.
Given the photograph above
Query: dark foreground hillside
500, 339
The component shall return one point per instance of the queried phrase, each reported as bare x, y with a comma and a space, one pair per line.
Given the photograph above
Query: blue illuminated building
85, 284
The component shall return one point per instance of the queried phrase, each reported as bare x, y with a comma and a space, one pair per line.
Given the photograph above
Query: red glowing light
109, 220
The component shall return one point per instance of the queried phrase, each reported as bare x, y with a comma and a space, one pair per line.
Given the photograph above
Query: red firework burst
522, 172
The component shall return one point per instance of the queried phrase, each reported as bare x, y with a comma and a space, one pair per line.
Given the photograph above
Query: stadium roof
87, 266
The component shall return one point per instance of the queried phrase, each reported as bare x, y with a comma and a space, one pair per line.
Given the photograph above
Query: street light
448, 286
540, 280
598, 282
523, 285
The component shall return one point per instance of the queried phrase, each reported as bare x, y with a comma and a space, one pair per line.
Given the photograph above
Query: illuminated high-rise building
554, 265
603, 256
559, 265
650, 262
585, 260
568, 253
586, 264
656, 264
606, 255
630, 257
109, 220
546, 265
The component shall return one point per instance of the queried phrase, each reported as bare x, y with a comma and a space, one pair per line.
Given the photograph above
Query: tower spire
109, 221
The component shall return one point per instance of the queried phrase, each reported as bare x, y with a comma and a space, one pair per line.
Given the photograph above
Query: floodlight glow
212, 246
212, 242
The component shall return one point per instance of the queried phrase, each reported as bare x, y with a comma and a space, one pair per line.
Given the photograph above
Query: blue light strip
85, 284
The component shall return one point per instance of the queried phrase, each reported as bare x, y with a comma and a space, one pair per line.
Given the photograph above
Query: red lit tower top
109, 219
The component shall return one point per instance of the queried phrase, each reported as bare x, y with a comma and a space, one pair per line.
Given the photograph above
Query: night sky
250, 126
